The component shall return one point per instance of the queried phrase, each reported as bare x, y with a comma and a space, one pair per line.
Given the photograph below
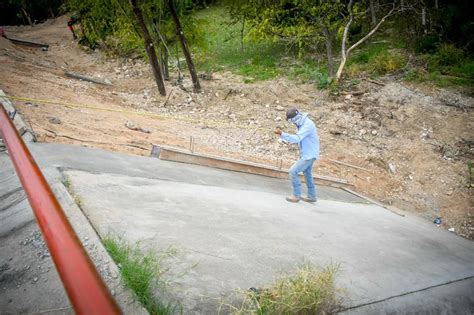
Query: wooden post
150, 50
187, 54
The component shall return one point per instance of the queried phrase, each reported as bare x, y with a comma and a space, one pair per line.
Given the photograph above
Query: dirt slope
414, 140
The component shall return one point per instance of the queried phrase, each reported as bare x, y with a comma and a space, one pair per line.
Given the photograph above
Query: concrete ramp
235, 231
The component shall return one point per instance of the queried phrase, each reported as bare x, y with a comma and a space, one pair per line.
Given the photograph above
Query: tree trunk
423, 17
345, 53
373, 20
187, 54
27, 16
150, 50
165, 64
242, 35
330, 59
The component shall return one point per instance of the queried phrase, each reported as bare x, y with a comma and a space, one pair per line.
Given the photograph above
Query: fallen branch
355, 93
27, 43
350, 165
374, 82
86, 78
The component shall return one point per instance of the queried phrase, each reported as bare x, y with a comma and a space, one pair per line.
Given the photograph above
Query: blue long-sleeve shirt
306, 138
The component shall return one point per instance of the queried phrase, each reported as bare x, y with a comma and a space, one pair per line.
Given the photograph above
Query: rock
362, 132
392, 168
449, 192
280, 108
54, 120
278, 118
374, 132
132, 126
232, 116
451, 230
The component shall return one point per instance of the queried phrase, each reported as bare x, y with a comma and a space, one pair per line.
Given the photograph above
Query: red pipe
84, 286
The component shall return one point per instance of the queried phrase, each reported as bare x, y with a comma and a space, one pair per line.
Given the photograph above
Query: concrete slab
234, 230
229, 238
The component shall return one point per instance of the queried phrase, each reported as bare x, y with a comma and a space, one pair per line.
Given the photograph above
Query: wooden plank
178, 155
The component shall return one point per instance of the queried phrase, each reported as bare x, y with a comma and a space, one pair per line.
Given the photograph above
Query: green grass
66, 182
140, 272
258, 61
307, 291
223, 50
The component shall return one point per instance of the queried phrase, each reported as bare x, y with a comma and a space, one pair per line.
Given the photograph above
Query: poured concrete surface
228, 238
233, 230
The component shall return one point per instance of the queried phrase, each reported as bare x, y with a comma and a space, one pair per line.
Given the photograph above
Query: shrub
447, 55
388, 62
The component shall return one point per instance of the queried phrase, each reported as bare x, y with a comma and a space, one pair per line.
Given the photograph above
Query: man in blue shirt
308, 143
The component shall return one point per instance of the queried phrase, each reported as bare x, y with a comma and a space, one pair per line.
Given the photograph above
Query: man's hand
277, 131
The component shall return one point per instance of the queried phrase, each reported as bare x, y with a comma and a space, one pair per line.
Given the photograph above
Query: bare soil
414, 140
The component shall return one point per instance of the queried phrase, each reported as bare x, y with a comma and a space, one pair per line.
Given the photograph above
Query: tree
150, 50
184, 45
346, 52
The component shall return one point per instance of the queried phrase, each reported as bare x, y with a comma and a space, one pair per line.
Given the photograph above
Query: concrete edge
447, 296
17, 119
391, 209
178, 155
91, 241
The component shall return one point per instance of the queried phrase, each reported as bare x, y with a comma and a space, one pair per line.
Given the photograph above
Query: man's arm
300, 135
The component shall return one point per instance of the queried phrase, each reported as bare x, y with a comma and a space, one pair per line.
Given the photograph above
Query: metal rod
83, 284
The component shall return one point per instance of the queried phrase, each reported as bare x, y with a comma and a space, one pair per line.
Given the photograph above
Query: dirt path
415, 141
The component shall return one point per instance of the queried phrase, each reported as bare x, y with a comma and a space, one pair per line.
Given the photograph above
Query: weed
308, 291
140, 272
78, 201
388, 62
66, 182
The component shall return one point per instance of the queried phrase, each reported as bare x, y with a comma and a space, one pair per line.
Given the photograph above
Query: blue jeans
305, 166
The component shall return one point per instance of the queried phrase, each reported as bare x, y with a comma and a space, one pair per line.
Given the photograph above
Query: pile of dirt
414, 142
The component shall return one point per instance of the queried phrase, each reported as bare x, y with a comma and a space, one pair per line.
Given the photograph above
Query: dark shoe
293, 198
307, 199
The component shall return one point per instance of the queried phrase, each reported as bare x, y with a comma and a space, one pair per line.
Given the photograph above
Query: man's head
292, 115
291, 112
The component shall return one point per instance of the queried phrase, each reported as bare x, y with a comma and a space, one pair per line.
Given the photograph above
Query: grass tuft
140, 272
308, 291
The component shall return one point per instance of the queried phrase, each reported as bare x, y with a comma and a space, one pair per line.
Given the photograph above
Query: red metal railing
84, 286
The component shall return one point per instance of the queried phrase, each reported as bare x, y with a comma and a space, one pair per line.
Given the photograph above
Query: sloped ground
423, 133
